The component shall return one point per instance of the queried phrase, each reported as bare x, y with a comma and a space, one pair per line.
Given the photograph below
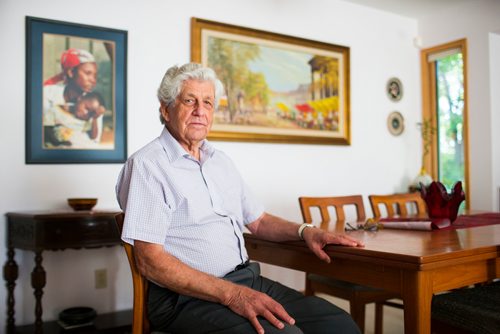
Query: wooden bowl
82, 204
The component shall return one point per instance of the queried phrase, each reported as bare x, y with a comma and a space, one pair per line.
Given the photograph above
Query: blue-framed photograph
76, 96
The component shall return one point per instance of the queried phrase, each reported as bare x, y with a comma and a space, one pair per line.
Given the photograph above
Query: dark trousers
173, 313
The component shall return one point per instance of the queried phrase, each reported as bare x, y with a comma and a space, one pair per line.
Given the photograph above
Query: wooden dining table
413, 264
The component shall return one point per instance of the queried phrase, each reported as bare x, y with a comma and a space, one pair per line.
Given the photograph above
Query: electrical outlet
101, 278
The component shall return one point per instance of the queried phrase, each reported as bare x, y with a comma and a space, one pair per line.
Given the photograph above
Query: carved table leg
10, 274
38, 282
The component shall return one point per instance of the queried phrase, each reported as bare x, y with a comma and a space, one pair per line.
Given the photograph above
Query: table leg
417, 298
10, 274
38, 282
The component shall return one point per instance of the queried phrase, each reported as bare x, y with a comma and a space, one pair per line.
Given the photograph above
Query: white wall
381, 47
495, 114
474, 21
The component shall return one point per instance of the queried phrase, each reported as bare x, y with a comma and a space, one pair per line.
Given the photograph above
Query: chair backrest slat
338, 202
397, 205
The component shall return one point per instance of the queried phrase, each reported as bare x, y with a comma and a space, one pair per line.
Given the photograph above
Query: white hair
171, 84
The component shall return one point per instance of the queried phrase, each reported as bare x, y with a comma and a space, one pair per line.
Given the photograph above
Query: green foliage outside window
450, 97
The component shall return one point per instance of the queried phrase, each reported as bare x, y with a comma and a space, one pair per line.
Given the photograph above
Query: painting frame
394, 89
305, 134
395, 123
106, 133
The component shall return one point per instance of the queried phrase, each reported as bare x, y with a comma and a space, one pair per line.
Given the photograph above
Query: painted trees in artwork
230, 61
268, 86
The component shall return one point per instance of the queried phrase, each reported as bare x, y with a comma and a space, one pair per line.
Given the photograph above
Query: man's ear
164, 112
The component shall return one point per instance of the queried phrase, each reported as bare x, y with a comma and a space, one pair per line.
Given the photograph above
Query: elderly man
185, 210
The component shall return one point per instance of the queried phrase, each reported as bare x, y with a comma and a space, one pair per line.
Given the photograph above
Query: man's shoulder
221, 155
223, 161
150, 152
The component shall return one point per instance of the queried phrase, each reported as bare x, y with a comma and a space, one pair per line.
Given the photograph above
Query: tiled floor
393, 317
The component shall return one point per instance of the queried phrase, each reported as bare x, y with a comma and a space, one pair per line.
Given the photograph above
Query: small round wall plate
395, 123
394, 89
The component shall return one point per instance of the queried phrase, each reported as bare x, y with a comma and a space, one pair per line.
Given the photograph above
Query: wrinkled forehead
199, 88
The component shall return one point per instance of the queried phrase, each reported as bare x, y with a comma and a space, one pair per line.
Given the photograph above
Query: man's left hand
316, 239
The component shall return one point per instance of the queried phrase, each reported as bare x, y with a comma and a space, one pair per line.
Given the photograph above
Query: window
444, 92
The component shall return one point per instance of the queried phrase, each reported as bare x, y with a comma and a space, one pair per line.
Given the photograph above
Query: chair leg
358, 314
379, 318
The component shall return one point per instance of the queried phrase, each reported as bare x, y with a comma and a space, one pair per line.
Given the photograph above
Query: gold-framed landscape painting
277, 88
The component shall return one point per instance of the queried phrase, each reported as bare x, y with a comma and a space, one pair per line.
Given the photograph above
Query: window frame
429, 107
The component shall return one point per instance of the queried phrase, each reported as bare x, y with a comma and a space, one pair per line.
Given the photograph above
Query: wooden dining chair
140, 323
398, 205
357, 295
468, 310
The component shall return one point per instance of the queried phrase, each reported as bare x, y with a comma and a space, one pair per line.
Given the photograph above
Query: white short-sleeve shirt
195, 209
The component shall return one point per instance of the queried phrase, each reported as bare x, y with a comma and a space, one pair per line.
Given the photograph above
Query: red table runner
462, 221
479, 219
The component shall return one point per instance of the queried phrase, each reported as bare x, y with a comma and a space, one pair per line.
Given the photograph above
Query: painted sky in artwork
284, 70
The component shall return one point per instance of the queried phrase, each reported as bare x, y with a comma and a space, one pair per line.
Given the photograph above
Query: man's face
190, 117
85, 76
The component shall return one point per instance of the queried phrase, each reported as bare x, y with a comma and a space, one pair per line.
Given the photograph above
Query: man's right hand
250, 304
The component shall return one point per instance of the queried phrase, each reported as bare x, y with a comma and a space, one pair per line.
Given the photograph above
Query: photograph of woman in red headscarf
78, 90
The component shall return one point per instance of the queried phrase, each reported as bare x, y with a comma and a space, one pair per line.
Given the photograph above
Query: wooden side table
45, 230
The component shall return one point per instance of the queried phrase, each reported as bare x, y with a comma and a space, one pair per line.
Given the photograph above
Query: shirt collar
175, 151
207, 150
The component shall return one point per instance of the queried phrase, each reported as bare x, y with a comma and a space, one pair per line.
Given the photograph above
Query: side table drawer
53, 232
82, 233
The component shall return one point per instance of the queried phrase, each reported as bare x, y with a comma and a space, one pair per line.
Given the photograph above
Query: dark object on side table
77, 315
